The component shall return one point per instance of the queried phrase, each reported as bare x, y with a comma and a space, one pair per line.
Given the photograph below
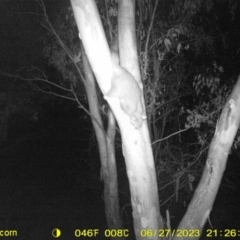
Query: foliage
62, 46
183, 81
180, 44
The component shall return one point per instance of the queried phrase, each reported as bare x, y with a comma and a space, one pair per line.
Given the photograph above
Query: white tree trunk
136, 142
201, 205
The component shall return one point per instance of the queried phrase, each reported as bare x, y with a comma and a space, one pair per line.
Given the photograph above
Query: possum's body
125, 87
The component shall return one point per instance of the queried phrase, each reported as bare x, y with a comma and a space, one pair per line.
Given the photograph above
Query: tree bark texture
136, 142
201, 205
106, 149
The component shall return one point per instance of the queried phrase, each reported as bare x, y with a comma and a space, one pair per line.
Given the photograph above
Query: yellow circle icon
56, 233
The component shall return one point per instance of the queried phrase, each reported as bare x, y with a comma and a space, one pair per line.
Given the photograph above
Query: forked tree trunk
106, 149
136, 142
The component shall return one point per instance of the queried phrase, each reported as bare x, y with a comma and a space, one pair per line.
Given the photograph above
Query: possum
126, 89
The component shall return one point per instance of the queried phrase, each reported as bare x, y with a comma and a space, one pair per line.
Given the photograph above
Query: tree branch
51, 29
183, 130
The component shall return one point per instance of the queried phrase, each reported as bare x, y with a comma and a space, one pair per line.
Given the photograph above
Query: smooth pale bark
201, 205
106, 149
136, 142
94, 41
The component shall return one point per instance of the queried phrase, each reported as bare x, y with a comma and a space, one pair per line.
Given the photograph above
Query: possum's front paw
137, 122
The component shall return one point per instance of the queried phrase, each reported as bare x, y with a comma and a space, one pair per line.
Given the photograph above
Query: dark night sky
20, 32
45, 179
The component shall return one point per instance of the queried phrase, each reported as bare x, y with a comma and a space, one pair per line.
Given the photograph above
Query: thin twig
183, 130
35, 79
148, 36
81, 106
51, 29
